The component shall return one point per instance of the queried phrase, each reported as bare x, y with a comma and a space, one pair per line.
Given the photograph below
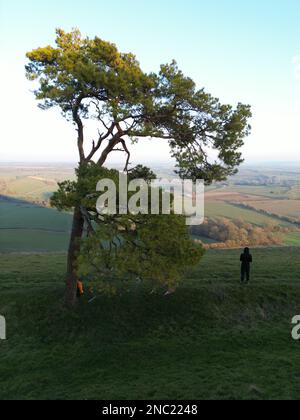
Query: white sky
29, 134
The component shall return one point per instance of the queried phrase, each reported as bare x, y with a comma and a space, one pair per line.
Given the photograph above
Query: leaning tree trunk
74, 248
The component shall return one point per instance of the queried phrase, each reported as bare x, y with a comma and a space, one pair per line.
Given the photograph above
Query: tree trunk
74, 248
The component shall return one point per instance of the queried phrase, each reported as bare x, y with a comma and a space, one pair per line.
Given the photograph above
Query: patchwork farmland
252, 196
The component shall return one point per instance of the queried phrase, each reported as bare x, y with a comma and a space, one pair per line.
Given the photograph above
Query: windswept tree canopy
91, 79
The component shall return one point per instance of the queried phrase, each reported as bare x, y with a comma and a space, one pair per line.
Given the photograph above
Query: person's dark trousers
245, 274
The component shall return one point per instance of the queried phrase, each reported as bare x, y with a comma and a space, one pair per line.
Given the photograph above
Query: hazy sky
239, 50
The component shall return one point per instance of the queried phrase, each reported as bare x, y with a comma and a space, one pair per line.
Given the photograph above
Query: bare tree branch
96, 146
111, 145
128, 154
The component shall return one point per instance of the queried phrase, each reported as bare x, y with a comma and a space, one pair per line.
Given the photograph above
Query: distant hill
33, 182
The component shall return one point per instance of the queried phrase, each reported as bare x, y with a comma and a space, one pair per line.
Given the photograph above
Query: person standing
246, 260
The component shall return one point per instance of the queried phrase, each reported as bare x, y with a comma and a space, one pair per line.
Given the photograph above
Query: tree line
235, 233
289, 219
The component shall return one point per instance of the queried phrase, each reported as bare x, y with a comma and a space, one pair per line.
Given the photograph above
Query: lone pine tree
89, 79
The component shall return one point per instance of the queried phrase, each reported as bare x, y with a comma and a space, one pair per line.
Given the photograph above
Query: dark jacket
246, 260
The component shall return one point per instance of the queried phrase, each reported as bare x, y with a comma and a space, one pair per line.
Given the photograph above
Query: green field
292, 239
213, 339
221, 209
26, 227
30, 240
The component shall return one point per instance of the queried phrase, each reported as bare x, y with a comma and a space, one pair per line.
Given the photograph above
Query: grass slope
25, 227
213, 339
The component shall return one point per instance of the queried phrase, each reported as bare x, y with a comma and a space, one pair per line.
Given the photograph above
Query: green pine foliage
119, 250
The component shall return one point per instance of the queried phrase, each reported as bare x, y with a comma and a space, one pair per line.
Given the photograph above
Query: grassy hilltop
213, 339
